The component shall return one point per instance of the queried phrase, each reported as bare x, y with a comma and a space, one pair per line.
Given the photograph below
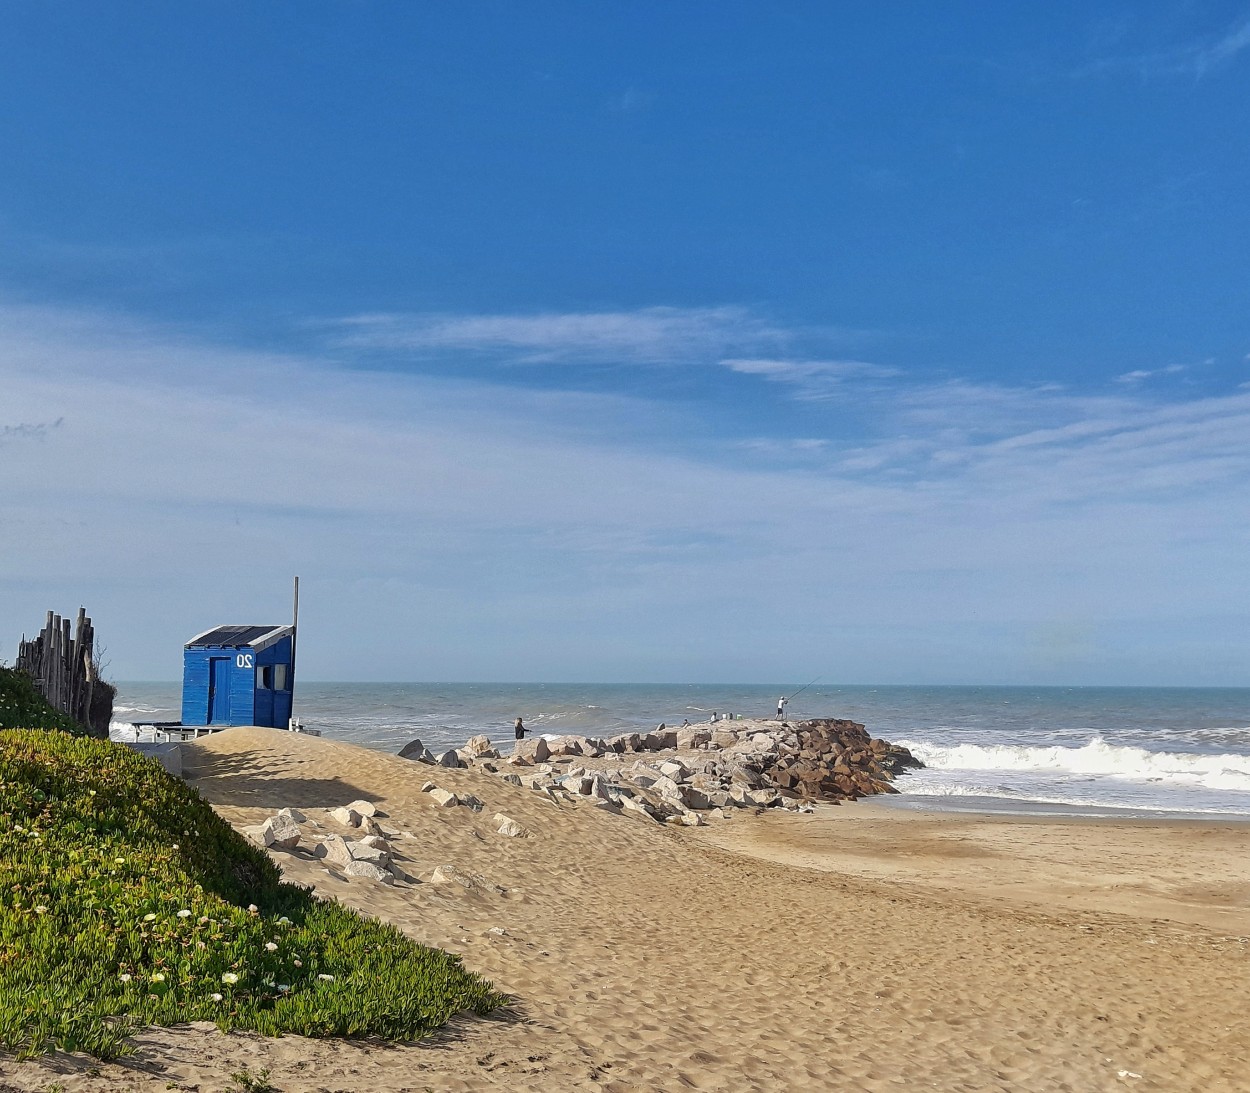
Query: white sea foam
1096, 759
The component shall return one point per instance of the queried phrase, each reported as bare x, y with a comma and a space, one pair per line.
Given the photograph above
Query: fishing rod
802, 689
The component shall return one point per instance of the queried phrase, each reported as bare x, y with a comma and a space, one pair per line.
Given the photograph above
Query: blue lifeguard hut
239, 675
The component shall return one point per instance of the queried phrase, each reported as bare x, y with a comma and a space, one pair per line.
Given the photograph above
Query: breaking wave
1095, 759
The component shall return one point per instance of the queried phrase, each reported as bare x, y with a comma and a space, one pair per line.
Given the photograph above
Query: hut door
219, 672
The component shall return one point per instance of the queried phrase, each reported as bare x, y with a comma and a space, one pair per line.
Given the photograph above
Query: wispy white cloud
540, 533
810, 379
1233, 42
1140, 375
1195, 59
655, 335
631, 100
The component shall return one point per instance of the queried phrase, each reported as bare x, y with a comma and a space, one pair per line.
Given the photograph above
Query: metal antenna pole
294, 635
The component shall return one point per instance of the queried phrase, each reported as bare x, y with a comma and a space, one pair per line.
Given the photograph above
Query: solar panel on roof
235, 635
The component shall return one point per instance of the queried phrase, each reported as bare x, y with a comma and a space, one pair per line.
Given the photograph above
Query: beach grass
125, 901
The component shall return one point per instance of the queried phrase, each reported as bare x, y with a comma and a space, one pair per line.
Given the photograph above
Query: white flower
202, 919
327, 978
184, 913
271, 946
299, 963
41, 909
229, 977
175, 846
149, 917
119, 861
284, 921
284, 986
215, 997
158, 977
252, 908
124, 977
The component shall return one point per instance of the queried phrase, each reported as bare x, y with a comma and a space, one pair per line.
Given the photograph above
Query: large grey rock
744, 775
334, 848
294, 814
371, 854
376, 842
666, 788
695, 797
480, 747
365, 808
690, 738
508, 826
280, 831
636, 806
674, 769
449, 874
511, 779
450, 759
414, 749
369, 870
349, 817
668, 806
527, 752
444, 798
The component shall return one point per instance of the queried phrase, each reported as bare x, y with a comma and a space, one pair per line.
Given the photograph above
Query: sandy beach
861, 947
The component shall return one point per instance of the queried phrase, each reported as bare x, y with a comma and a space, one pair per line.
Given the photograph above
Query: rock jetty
695, 773
688, 776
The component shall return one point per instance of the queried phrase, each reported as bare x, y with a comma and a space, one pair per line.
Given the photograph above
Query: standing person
519, 728
782, 702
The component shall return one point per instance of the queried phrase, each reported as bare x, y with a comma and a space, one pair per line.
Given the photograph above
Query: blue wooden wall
243, 671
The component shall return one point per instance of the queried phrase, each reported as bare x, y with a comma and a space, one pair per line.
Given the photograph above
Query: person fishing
783, 702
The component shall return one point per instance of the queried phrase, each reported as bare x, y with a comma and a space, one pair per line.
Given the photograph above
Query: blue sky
655, 342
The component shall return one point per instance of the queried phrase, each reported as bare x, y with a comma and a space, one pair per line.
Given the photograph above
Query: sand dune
859, 948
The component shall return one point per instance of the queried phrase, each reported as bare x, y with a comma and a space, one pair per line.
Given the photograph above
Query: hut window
264, 677
279, 677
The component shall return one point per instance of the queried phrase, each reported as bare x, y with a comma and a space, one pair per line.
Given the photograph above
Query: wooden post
61, 662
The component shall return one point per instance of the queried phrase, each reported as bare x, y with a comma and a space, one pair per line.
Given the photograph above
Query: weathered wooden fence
64, 667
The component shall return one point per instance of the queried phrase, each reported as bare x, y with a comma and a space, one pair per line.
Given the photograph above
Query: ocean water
1080, 749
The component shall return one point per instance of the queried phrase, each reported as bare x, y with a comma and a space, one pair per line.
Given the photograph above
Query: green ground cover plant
125, 900
23, 707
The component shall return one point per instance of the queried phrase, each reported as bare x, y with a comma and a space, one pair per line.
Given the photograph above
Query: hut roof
236, 637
